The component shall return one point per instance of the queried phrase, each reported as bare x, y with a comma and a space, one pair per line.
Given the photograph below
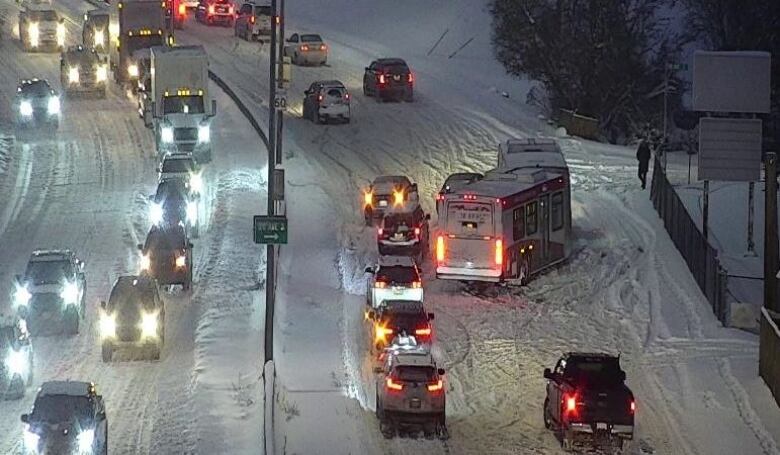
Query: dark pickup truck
587, 401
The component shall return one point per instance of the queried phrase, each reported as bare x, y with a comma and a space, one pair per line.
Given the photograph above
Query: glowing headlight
22, 296
32, 33
166, 134
25, 108
16, 363
156, 213
196, 182
107, 325
192, 212
54, 105
132, 70
204, 133
148, 325
99, 38
181, 261
145, 262
85, 439
60, 34
102, 73
73, 75
70, 294
368, 198
31, 440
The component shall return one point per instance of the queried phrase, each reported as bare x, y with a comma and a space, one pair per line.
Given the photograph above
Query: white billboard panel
731, 81
729, 149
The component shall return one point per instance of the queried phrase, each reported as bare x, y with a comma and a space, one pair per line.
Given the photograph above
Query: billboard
731, 81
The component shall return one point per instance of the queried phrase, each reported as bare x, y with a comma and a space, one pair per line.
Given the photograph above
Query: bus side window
530, 218
518, 226
557, 211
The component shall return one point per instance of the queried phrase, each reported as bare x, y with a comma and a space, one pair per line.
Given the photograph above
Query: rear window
43, 16
177, 165
397, 274
596, 371
38, 88
311, 39
393, 222
409, 322
469, 218
397, 69
335, 92
415, 373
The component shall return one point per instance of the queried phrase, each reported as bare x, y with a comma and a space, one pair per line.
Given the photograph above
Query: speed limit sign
280, 100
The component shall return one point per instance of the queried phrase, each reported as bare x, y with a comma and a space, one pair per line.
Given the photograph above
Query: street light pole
270, 268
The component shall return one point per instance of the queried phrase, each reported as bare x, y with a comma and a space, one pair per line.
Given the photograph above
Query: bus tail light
440, 248
499, 252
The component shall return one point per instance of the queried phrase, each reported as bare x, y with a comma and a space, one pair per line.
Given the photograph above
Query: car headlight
31, 440
70, 293
148, 325
196, 182
17, 363
204, 133
98, 41
61, 34
181, 261
22, 296
54, 105
85, 439
25, 108
102, 73
166, 134
73, 75
32, 33
107, 325
192, 212
132, 70
156, 213
146, 263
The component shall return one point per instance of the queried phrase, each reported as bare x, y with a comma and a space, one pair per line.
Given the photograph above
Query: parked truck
41, 28
181, 107
140, 24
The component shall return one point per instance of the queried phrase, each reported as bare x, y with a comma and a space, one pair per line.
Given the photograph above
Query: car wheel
546, 414
365, 89
72, 323
524, 272
566, 441
106, 351
155, 352
409, 98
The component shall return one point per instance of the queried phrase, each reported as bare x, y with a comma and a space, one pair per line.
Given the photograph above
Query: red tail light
439, 197
182, 10
424, 332
304, 48
436, 386
211, 9
319, 98
379, 232
252, 20
410, 78
440, 248
380, 285
381, 78
632, 406
346, 96
417, 231
416, 284
392, 385
499, 251
570, 403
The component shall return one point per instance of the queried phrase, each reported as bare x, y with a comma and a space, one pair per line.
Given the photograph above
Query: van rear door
469, 234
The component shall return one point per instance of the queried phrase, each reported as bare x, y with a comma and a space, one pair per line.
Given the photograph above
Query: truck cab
94, 31
41, 29
181, 106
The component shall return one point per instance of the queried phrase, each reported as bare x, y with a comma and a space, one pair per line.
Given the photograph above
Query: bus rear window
470, 219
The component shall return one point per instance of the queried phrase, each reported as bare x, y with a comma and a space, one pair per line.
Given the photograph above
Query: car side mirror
369, 270
25, 418
140, 246
440, 371
548, 374
430, 316
378, 370
103, 304
190, 245
428, 216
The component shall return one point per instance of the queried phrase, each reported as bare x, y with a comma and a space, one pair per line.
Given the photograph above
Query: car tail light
230, 9
440, 248
182, 10
304, 48
382, 332
570, 403
410, 78
392, 385
439, 197
632, 406
319, 98
499, 251
380, 285
346, 96
380, 231
436, 386
252, 20
423, 332
211, 9
323, 47
381, 78
417, 284
417, 231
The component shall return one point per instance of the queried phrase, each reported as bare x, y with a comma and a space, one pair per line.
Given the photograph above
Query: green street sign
270, 230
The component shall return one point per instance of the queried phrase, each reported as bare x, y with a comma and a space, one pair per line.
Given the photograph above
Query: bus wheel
524, 273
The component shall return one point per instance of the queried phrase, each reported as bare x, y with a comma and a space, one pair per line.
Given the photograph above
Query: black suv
52, 291
404, 233
133, 318
37, 103
401, 318
166, 255
67, 417
389, 78
173, 204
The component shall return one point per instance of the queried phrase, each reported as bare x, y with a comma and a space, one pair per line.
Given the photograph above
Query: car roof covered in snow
500, 183
396, 261
71, 388
50, 255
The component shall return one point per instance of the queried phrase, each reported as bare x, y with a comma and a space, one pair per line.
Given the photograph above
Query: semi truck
94, 31
140, 24
40, 27
181, 107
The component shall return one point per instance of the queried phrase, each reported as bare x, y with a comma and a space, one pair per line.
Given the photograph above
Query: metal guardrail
769, 352
700, 256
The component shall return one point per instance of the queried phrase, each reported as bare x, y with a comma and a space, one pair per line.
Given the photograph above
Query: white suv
253, 20
394, 278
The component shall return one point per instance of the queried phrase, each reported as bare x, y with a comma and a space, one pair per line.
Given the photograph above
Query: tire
365, 89
155, 352
106, 351
566, 441
546, 414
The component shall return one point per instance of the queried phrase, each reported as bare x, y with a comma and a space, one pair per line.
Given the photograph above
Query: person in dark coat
643, 156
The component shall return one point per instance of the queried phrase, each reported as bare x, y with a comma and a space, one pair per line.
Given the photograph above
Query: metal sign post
770, 233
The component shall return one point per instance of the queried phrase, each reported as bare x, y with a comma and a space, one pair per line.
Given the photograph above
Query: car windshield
192, 104
48, 272
43, 16
397, 274
311, 39
595, 372
177, 166
61, 408
415, 373
36, 89
396, 68
125, 295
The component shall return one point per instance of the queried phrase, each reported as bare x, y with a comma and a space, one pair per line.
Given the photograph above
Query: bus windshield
467, 218
183, 104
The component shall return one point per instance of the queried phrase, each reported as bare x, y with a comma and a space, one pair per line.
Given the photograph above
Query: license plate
397, 77
398, 236
601, 426
222, 10
415, 403
398, 291
383, 203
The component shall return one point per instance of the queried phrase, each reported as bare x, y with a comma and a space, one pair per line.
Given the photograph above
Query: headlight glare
166, 134
70, 293
156, 213
192, 212
61, 34
204, 133
25, 108
132, 70
73, 75
149, 325
54, 105
86, 438
31, 440
146, 263
16, 363
102, 73
32, 33
99, 38
196, 182
22, 296
181, 261
107, 325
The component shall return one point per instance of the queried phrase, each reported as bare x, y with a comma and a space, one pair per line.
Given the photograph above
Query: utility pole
280, 81
270, 268
770, 233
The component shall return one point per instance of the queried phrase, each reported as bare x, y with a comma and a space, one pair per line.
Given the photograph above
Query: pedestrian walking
643, 156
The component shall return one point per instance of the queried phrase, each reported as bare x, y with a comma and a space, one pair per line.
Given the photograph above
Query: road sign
280, 100
270, 230
729, 149
731, 81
